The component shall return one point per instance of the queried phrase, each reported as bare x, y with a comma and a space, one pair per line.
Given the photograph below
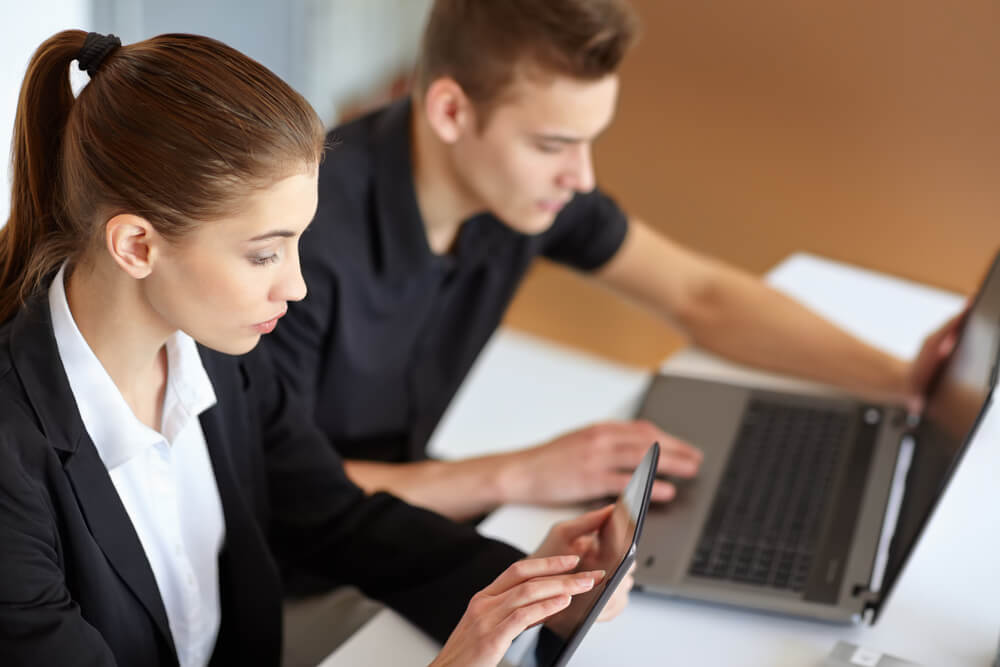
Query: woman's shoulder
25, 451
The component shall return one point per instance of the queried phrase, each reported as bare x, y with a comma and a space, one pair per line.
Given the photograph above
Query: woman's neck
124, 333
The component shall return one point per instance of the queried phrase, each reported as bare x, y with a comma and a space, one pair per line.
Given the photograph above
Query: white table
945, 610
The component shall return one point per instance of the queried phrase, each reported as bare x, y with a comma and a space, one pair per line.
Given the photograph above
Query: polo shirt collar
402, 237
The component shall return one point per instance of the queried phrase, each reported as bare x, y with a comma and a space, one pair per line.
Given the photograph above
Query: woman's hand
600, 539
528, 592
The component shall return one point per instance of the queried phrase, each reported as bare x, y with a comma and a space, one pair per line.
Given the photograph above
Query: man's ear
449, 111
133, 243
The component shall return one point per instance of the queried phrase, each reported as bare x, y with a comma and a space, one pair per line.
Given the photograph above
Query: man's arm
736, 315
593, 462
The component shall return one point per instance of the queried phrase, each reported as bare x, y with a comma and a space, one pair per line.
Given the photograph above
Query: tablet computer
557, 640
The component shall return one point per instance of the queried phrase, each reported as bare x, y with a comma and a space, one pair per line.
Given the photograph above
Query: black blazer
75, 585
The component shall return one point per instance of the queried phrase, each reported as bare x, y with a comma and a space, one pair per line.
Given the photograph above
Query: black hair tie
95, 49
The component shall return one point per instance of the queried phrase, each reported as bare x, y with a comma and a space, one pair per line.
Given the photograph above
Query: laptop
809, 504
553, 644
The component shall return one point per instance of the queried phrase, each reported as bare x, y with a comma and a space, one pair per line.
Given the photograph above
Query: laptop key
762, 526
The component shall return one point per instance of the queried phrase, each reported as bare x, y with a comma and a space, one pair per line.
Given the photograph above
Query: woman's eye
262, 260
548, 148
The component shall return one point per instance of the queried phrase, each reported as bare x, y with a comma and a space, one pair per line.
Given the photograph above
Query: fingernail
600, 574
585, 583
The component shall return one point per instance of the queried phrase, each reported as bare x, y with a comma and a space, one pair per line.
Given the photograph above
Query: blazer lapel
113, 530
36, 358
249, 583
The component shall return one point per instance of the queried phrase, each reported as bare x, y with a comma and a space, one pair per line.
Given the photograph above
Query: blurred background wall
866, 132
25, 25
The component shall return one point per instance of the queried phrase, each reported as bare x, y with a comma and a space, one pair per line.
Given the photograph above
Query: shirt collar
402, 237
117, 434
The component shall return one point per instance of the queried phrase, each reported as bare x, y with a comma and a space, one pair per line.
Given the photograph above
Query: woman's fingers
522, 618
530, 568
543, 588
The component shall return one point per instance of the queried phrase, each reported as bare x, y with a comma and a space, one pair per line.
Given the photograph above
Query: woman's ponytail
30, 241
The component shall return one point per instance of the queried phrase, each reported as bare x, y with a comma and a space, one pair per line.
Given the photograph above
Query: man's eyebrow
558, 138
278, 233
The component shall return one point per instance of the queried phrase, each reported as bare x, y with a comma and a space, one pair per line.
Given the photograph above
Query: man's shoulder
350, 178
347, 174
351, 146
347, 164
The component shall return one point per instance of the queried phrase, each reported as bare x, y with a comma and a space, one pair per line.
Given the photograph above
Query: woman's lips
268, 326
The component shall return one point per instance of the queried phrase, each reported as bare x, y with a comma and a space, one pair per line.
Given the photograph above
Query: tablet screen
614, 553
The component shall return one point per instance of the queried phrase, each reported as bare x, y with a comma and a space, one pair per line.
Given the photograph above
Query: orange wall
866, 132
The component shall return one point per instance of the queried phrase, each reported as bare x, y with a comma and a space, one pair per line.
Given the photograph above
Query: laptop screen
954, 402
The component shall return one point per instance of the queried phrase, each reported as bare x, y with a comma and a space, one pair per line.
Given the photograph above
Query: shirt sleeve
587, 233
421, 564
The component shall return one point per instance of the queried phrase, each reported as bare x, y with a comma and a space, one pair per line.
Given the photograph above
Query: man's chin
537, 223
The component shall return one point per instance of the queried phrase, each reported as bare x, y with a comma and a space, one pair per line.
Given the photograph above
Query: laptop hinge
870, 601
897, 491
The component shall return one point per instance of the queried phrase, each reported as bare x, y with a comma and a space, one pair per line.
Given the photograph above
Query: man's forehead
559, 105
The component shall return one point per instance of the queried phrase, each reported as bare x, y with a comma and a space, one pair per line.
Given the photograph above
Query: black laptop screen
955, 401
958, 393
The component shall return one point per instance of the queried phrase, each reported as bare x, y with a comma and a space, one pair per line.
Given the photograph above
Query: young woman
155, 477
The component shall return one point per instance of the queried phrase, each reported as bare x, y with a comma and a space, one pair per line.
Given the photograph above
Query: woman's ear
132, 242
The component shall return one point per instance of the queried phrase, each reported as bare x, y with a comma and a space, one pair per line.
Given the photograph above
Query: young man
431, 214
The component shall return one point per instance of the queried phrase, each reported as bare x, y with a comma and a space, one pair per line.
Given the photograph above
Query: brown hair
482, 43
177, 129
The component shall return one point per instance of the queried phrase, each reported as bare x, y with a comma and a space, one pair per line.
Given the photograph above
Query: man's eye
549, 148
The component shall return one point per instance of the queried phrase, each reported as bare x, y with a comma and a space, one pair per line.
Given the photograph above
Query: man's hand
594, 462
934, 352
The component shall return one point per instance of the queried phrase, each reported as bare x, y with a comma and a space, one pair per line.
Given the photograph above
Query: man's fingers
673, 461
679, 448
678, 467
631, 440
662, 492
615, 482
530, 568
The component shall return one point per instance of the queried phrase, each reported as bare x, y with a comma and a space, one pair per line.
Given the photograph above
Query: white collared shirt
165, 479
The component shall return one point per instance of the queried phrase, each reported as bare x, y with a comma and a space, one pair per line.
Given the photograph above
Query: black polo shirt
389, 329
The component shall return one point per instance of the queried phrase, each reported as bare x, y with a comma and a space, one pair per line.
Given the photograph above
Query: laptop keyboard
764, 523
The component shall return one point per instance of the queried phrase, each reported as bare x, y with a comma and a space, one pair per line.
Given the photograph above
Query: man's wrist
508, 477
900, 378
